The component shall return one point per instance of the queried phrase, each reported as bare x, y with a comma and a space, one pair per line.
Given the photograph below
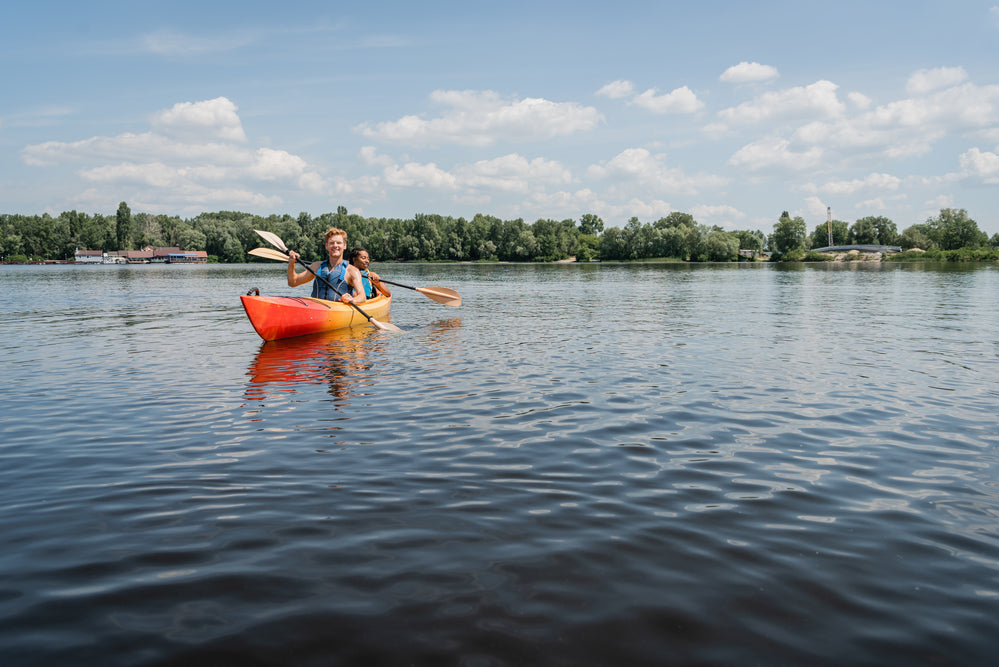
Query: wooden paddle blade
273, 239
385, 326
268, 253
448, 297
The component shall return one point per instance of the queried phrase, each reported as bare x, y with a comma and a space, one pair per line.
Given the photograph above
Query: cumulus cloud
746, 72
415, 175
879, 182
513, 173
927, 80
774, 152
195, 149
482, 118
907, 127
818, 99
200, 121
981, 166
859, 100
617, 89
680, 100
722, 214
640, 167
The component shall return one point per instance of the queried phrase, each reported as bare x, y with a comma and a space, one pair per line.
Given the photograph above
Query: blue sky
730, 111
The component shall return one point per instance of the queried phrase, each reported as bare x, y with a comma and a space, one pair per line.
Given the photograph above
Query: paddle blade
448, 297
272, 238
385, 326
268, 253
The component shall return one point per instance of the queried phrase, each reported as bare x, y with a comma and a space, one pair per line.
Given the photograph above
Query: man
335, 269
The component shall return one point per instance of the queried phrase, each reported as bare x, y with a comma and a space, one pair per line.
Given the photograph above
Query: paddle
445, 295
276, 241
448, 297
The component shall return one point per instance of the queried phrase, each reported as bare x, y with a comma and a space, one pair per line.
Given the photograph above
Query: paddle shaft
332, 287
382, 280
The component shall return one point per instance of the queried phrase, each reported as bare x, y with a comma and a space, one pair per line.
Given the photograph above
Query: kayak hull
275, 317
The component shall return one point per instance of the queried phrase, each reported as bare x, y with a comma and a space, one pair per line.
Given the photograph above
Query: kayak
275, 317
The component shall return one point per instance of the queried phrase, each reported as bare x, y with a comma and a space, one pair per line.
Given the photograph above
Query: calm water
582, 465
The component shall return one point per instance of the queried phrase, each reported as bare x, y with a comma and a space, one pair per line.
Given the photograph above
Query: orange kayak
276, 317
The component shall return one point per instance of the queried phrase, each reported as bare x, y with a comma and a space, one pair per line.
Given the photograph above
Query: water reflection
336, 358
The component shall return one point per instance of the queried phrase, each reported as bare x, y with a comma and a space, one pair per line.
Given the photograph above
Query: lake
602, 464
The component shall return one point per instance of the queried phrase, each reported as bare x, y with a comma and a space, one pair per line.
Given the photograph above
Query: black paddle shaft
331, 286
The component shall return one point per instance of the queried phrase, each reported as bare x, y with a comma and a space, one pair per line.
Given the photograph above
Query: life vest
337, 277
369, 290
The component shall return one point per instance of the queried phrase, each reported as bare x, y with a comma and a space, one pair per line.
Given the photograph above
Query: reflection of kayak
328, 356
276, 317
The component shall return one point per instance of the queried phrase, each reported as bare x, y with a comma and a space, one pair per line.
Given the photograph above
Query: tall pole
829, 223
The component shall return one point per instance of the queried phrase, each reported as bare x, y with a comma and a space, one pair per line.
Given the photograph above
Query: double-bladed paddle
445, 295
276, 241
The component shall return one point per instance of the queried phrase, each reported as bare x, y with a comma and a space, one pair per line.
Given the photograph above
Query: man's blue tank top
338, 278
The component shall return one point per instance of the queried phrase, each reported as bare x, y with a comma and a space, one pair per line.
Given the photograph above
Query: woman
360, 258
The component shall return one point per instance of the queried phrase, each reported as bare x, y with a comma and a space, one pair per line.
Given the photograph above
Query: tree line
227, 236
950, 235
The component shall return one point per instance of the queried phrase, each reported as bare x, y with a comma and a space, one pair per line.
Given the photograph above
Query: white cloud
817, 99
927, 80
746, 72
907, 127
814, 208
871, 182
200, 121
774, 152
415, 175
859, 100
981, 166
680, 100
193, 151
617, 89
369, 156
722, 214
512, 173
481, 118
639, 167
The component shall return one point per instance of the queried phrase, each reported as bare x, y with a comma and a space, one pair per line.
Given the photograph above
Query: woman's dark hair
355, 252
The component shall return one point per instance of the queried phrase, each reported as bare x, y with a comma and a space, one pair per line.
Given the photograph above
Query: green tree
123, 227
840, 230
754, 240
874, 230
721, 246
953, 229
915, 236
590, 224
790, 236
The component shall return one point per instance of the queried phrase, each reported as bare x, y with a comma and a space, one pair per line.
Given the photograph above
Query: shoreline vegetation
227, 236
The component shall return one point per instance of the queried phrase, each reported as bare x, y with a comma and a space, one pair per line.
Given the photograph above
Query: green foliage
816, 257
790, 238
953, 229
228, 235
840, 230
981, 254
916, 236
123, 227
